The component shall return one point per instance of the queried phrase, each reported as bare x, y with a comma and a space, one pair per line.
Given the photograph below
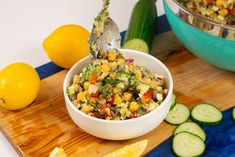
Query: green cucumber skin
233, 114
173, 123
174, 101
142, 24
205, 123
193, 135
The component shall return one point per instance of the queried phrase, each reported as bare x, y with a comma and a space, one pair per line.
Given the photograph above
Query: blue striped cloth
220, 140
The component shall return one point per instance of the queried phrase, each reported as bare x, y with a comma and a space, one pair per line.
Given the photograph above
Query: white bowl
125, 129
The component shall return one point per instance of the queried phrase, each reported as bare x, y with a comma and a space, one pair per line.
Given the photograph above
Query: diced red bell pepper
231, 11
209, 2
95, 95
134, 115
93, 79
93, 115
148, 95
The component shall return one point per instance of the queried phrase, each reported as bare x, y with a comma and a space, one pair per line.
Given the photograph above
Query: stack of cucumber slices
188, 137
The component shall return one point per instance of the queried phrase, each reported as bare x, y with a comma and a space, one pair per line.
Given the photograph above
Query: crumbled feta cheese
123, 105
92, 89
159, 97
152, 106
120, 85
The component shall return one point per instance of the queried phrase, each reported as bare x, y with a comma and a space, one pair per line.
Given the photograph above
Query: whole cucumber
142, 26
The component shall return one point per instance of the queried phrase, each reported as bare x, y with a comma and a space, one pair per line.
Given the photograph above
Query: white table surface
25, 24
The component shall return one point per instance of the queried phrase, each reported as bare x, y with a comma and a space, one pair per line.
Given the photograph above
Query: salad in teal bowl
208, 31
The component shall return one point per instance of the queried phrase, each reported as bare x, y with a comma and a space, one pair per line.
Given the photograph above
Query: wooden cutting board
37, 129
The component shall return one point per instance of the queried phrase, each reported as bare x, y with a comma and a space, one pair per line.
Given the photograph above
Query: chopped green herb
111, 81
233, 18
137, 101
101, 89
141, 109
133, 80
122, 71
86, 75
108, 93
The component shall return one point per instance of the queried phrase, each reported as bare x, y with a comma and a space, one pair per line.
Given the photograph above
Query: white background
25, 23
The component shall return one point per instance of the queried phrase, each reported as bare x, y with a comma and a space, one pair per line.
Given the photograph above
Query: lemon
19, 86
133, 150
58, 152
66, 45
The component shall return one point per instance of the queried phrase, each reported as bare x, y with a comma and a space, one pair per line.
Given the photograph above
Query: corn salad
222, 11
115, 88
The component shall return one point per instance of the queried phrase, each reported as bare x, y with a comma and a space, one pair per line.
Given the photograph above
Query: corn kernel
76, 79
104, 68
86, 85
131, 67
112, 56
116, 90
127, 96
138, 75
219, 3
147, 81
112, 75
153, 85
117, 100
92, 100
223, 12
211, 12
122, 61
86, 109
134, 106
81, 96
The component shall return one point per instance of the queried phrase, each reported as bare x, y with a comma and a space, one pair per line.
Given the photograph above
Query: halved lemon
58, 152
132, 150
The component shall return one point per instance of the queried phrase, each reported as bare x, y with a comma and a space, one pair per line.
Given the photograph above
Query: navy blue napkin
220, 140
47, 69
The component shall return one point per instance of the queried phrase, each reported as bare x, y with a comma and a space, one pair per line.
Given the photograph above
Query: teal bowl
214, 49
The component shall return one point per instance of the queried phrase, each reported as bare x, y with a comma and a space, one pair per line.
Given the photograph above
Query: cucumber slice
206, 114
188, 145
191, 127
234, 113
179, 114
137, 44
173, 101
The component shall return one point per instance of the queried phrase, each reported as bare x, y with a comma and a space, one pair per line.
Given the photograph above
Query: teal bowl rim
198, 16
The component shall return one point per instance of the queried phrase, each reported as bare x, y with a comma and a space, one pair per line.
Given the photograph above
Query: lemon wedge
58, 152
132, 150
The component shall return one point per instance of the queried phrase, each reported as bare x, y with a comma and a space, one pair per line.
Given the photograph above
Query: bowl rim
169, 95
188, 11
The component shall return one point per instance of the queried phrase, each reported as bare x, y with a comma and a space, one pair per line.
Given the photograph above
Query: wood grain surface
37, 129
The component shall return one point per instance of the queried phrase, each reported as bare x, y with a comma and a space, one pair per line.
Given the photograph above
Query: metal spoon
110, 38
